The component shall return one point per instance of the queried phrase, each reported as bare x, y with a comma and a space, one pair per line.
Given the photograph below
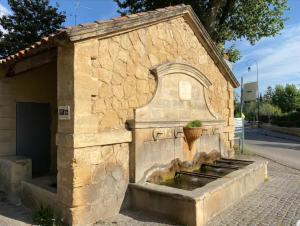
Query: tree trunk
212, 16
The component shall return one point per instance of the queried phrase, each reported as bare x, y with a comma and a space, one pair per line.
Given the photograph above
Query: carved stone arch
181, 95
175, 68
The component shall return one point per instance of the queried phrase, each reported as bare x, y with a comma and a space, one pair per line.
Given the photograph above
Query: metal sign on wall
64, 113
250, 91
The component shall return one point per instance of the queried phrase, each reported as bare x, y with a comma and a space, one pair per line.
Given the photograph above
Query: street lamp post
257, 87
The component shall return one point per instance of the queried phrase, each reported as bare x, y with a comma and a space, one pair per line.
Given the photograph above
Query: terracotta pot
191, 135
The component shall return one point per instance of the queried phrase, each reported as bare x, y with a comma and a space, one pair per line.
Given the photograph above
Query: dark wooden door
33, 135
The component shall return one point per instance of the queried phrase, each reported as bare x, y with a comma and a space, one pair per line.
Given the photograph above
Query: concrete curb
277, 134
287, 133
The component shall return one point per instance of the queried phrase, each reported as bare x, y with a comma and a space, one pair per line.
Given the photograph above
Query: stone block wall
111, 78
7, 119
103, 80
92, 166
93, 181
112, 75
38, 86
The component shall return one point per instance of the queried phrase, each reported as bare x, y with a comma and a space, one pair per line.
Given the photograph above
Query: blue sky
278, 57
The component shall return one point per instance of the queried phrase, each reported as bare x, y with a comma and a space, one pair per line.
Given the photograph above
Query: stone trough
199, 205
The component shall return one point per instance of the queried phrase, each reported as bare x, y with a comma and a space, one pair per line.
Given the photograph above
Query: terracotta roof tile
27, 51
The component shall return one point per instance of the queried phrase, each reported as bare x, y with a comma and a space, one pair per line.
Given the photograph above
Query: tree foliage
250, 110
267, 98
237, 105
29, 22
287, 98
269, 110
225, 20
279, 102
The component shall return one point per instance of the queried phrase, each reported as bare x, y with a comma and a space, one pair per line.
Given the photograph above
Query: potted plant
192, 132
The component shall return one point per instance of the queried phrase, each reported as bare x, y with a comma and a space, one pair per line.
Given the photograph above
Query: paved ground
276, 202
137, 218
11, 215
279, 147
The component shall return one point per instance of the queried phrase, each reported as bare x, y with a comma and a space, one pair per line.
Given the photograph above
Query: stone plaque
185, 90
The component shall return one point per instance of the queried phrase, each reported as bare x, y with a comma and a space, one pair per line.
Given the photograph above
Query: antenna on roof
77, 3
77, 6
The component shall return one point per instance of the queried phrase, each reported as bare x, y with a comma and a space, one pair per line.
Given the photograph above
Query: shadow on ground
12, 215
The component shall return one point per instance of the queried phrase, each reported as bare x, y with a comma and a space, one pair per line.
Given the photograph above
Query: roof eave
45, 44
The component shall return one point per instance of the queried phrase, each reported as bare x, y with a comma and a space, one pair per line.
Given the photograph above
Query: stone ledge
34, 195
166, 124
93, 139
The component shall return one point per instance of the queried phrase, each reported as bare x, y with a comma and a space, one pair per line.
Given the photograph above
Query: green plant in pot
192, 131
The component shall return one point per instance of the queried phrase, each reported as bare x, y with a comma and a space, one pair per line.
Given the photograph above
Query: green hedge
291, 119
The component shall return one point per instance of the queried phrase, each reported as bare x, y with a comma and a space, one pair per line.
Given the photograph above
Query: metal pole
258, 99
242, 105
242, 95
257, 87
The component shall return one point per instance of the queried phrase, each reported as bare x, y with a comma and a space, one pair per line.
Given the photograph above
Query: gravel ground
276, 202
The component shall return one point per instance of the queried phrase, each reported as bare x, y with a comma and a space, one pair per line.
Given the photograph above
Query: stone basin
195, 207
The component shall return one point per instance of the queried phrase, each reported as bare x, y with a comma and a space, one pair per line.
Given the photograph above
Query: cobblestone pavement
136, 218
276, 202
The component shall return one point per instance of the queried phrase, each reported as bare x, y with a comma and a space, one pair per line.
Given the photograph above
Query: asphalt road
281, 148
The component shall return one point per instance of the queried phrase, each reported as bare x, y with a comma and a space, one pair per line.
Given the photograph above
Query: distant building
250, 92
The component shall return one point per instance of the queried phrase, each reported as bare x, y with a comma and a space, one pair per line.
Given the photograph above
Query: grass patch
46, 217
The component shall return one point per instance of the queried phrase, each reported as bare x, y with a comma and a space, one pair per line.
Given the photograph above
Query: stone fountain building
76, 108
